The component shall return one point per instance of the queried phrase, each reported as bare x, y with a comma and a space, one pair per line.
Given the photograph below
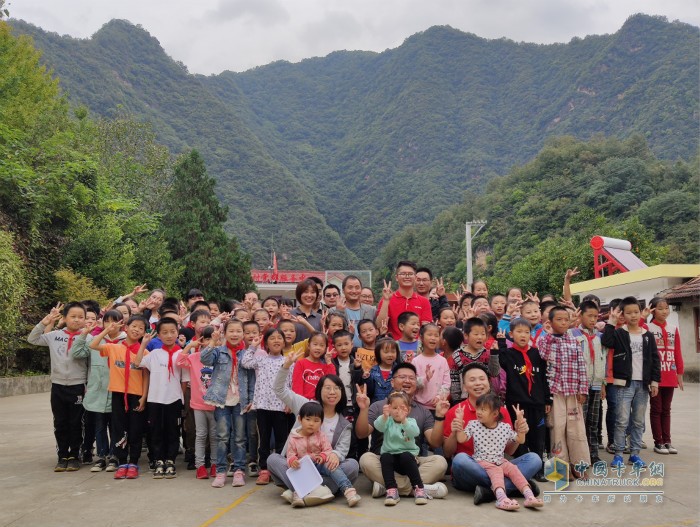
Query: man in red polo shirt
393, 304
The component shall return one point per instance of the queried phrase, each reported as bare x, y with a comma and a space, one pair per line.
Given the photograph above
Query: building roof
687, 290
639, 275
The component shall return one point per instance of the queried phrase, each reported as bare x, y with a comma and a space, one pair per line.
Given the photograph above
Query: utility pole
474, 223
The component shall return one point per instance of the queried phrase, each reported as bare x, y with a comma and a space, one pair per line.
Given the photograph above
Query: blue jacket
222, 362
377, 387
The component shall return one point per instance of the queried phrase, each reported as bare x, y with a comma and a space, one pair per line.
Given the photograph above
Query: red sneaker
132, 472
202, 472
263, 477
212, 470
121, 472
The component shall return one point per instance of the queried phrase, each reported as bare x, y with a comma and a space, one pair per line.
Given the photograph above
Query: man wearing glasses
404, 299
431, 468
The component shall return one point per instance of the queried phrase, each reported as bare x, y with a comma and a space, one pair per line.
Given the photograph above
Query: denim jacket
222, 362
377, 387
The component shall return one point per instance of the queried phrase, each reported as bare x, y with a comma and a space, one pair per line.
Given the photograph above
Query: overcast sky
210, 36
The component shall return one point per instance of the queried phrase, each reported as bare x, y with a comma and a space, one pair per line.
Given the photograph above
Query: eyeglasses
330, 388
405, 275
405, 377
330, 295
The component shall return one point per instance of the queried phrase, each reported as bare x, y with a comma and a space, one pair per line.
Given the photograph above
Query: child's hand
645, 313
89, 326
138, 290
513, 308
255, 342
225, 317
384, 328
614, 316
547, 408
182, 309
401, 414
519, 414
181, 340
142, 405
292, 358
295, 464
53, 316
501, 335
328, 356
582, 398
458, 421
358, 362
532, 297
216, 338
365, 375
386, 411
317, 458
351, 327
361, 398
386, 291
680, 382
113, 326
570, 273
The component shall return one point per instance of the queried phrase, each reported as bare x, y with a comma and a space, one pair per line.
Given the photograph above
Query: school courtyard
31, 494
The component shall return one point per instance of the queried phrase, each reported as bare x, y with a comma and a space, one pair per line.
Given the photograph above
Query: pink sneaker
219, 480
238, 479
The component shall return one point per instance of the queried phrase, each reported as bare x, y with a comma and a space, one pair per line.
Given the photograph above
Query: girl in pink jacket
308, 440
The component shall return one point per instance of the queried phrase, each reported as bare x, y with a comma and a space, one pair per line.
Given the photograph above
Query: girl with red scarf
526, 385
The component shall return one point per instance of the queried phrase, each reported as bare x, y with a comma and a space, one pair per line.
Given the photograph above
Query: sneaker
421, 498
594, 460
212, 470
219, 480
121, 472
378, 490
483, 495
170, 472
287, 496
617, 462
87, 458
61, 466
112, 465
230, 471
152, 466
636, 460
318, 496
540, 477
297, 502
238, 479
202, 472
252, 469
99, 465
73, 464
392, 497
671, 449
660, 448
352, 497
132, 472
610, 449
159, 471
435, 490
191, 465
644, 445
263, 477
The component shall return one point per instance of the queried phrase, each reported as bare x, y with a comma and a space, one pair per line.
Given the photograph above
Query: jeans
337, 475
631, 402
277, 465
96, 425
229, 418
467, 473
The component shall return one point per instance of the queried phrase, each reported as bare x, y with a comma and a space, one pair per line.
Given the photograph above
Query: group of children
138, 373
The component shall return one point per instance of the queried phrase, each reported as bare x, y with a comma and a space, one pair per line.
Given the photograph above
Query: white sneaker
288, 496
319, 495
378, 490
436, 490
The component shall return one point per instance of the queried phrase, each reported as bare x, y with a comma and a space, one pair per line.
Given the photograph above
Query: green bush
73, 287
13, 288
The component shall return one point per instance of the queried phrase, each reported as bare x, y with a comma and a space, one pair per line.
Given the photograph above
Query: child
335, 322
165, 397
270, 410
636, 371
451, 343
446, 318
480, 304
309, 370
309, 440
242, 314
498, 305
568, 383
474, 350
262, 317
68, 377
409, 326
200, 381
479, 288
251, 334
668, 342
289, 330
432, 369
530, 311
399, 448
367, 330
128, 384
272, 306
378, 380
98, 400
526, 385
226, 392
345, 365
490, 438
594, 355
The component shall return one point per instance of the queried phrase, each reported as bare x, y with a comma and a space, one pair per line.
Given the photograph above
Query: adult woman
467, 474
307, 294
330, 392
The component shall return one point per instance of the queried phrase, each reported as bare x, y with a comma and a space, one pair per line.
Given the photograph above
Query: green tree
193, 226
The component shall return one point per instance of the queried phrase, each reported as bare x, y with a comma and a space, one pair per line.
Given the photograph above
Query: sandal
533, 502
507, 504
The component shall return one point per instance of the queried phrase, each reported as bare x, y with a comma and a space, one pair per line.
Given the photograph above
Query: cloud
262, 12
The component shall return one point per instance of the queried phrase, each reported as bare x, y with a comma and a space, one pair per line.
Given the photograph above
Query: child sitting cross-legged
308, 439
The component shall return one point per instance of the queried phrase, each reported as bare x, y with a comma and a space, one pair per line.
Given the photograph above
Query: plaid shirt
566, 367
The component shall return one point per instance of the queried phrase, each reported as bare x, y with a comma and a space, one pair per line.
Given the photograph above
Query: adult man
424, 283
431, 468
404, 299
352, 309
331, 295
467, 474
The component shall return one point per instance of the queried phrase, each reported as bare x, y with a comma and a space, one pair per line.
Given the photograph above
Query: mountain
333, 156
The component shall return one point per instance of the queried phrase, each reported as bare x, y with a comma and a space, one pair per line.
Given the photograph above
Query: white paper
305, 478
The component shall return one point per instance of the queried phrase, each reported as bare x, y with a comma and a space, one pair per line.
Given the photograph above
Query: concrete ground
32, 495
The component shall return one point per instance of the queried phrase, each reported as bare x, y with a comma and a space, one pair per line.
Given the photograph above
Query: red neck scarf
171, 352
130, 349
528, 365
664, 333
234, 357
590, 338
71, 336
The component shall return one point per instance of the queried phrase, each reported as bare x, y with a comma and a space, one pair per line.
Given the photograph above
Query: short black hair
200, 313
251, 323
629, 301
331, 286
425, 270
592, 298
92, 306
164, 322
71, 305
200, 303
385, 343
547, 304
363, 322
426, 327
453, 337
556, 309
120, 304
405, 316
311, 409
588, 304
340, 334
520, 322
138, 318
474, 322
492, 401
168, 307
490, 320
407, 263
112, 316
475, 365
350, 277
404, 365
207, 332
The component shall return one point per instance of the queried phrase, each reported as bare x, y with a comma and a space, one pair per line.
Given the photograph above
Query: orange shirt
116, 354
